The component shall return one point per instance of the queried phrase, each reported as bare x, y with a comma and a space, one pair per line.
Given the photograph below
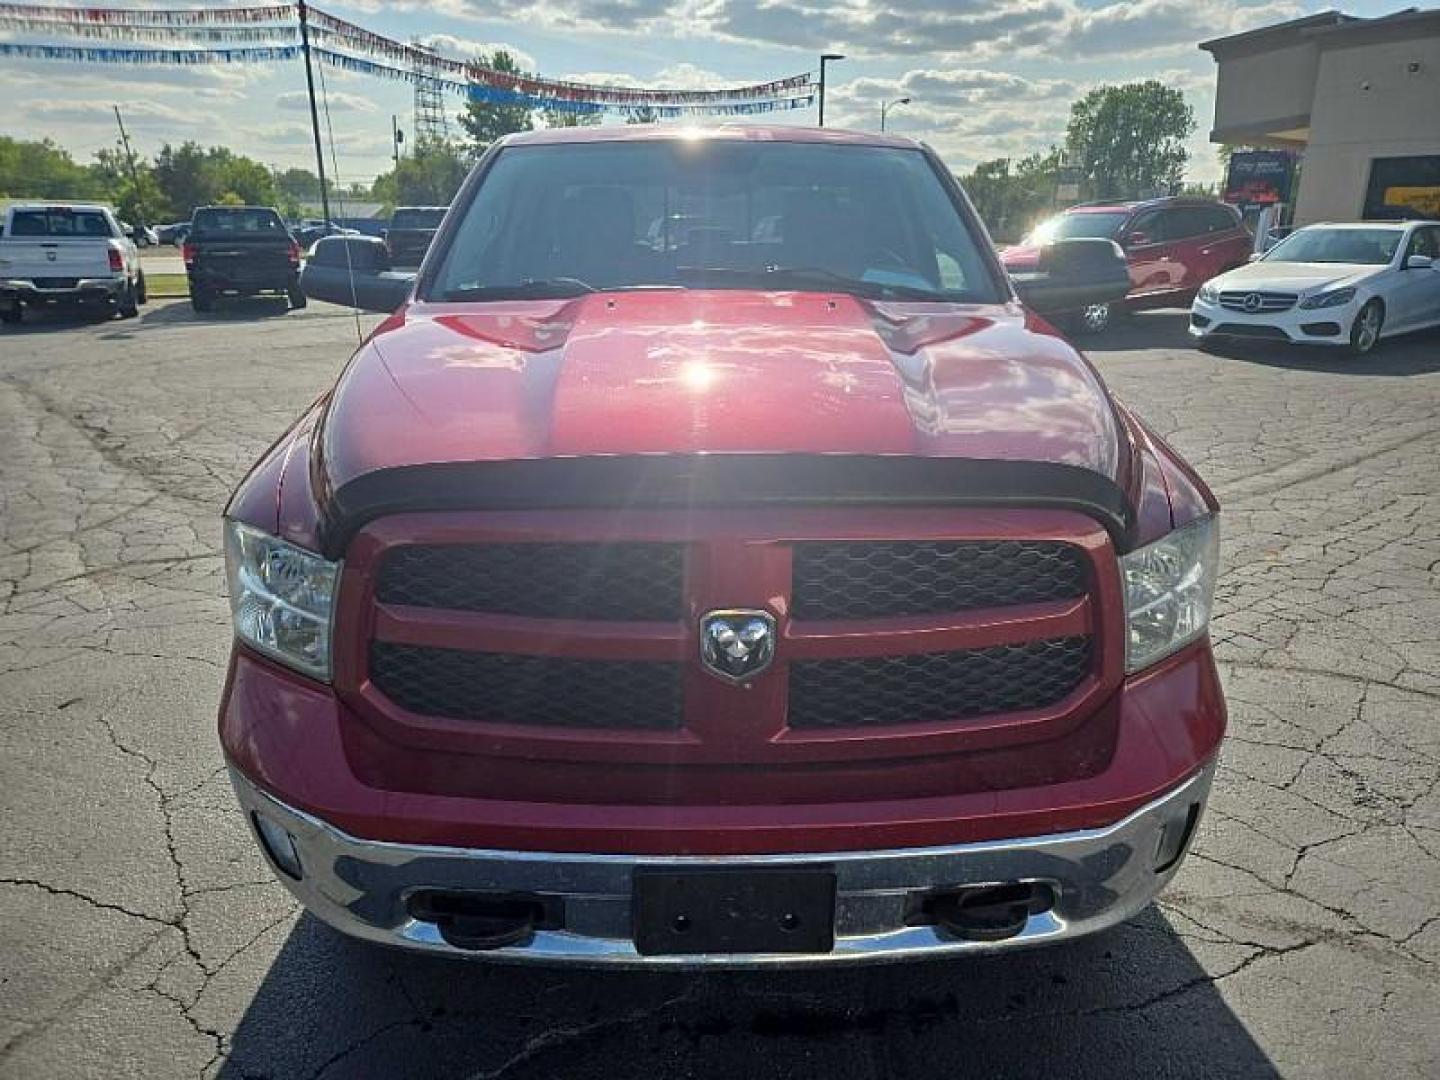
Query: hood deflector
719, 480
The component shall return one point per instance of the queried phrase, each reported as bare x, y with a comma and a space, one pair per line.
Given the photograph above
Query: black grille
869, 579
936, 686
535, 690
626, 582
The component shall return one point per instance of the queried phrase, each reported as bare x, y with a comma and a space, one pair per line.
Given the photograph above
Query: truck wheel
201, 300
127, 305
11, 316
1365, 331
141, 295
297, 298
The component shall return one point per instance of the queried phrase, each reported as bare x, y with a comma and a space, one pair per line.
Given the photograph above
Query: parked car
242, 250
313, 229
173, 234
1350, 285
1172, 245
74, 255
725, 602
142, 235
410, 231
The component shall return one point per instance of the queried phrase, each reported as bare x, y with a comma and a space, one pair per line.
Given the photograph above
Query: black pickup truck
242, 250
410, 232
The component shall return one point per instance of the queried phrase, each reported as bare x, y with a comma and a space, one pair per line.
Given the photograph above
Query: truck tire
296, 297
201, 300
11, 316
127, 305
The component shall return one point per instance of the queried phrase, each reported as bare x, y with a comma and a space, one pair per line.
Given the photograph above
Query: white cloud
338, 101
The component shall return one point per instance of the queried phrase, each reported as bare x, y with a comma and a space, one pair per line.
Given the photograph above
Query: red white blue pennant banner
264, 43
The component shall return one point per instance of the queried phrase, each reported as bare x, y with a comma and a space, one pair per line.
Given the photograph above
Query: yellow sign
1424, 200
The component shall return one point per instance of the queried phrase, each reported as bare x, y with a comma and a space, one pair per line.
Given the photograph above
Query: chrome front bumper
1099, 877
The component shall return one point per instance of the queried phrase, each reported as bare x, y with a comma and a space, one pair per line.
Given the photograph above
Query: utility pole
825, 58
134, 176
396, 138
314, 116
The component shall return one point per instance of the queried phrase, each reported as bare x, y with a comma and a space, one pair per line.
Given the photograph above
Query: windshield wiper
558, 288
774, 277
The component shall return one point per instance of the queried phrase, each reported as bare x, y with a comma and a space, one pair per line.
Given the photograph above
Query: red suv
1172, 245
714, 561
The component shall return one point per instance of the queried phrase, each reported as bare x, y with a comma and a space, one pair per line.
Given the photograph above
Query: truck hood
1295, 277
689, 372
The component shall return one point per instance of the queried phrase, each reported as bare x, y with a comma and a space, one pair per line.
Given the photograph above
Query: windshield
59, 221
253, 222
416, 219
1077, 227
570, 218
1367, 247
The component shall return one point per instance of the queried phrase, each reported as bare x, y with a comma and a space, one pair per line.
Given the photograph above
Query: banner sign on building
1259, 178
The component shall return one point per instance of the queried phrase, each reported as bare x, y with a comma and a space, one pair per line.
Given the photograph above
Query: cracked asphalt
141, 935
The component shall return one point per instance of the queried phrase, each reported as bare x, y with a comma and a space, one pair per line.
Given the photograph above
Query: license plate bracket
690, 912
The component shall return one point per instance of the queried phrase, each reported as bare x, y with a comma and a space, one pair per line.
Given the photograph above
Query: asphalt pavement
141, 935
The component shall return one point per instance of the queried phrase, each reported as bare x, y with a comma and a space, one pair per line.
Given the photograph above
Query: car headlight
1333, 298
282, 598
1169, 591
1209, 294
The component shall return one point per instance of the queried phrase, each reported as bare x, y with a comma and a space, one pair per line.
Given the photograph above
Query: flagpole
314, 116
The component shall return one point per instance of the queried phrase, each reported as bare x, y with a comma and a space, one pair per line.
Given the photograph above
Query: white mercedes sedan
1348, 285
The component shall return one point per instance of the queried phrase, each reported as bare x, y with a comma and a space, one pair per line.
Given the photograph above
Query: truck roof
727, 132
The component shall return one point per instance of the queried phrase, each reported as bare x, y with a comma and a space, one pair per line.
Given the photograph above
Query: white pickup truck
69, 255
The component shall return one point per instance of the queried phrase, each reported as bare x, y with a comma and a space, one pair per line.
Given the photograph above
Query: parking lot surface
141, 935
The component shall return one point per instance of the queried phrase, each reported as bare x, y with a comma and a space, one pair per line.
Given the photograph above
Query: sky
986, 78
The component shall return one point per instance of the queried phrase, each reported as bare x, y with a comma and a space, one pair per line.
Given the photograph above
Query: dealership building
1358, 99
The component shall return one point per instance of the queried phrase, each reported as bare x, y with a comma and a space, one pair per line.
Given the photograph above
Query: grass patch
166, 285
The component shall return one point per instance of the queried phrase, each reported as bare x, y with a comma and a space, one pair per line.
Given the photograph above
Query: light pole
887, 106
825, 58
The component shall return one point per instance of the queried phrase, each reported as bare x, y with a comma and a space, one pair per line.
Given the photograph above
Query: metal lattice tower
430, 122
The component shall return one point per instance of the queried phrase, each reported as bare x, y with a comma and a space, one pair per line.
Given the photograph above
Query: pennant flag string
112, 31
259, 43
357, 37
105, 55
153, 16
501, 96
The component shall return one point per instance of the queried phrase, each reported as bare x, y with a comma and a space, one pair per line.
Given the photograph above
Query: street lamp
825, 58
887, 106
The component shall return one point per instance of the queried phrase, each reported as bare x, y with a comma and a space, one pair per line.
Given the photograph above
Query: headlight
1209, 294
1169, 590
281, 597
1333, 298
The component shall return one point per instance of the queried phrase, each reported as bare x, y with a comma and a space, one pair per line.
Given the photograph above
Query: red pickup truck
713, 560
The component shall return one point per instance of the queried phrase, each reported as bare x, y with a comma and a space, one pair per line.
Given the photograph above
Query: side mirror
354, 271
1136, 239
1419, 262
1074, 274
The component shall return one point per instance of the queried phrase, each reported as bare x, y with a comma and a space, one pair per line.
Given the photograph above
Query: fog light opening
279, 846
1173, 839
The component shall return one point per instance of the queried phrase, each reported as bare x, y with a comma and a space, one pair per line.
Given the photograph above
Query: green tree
485, 122
1011, 194
190, 175
1130, 140
564, 118
43, 170
428, 177
137, 197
